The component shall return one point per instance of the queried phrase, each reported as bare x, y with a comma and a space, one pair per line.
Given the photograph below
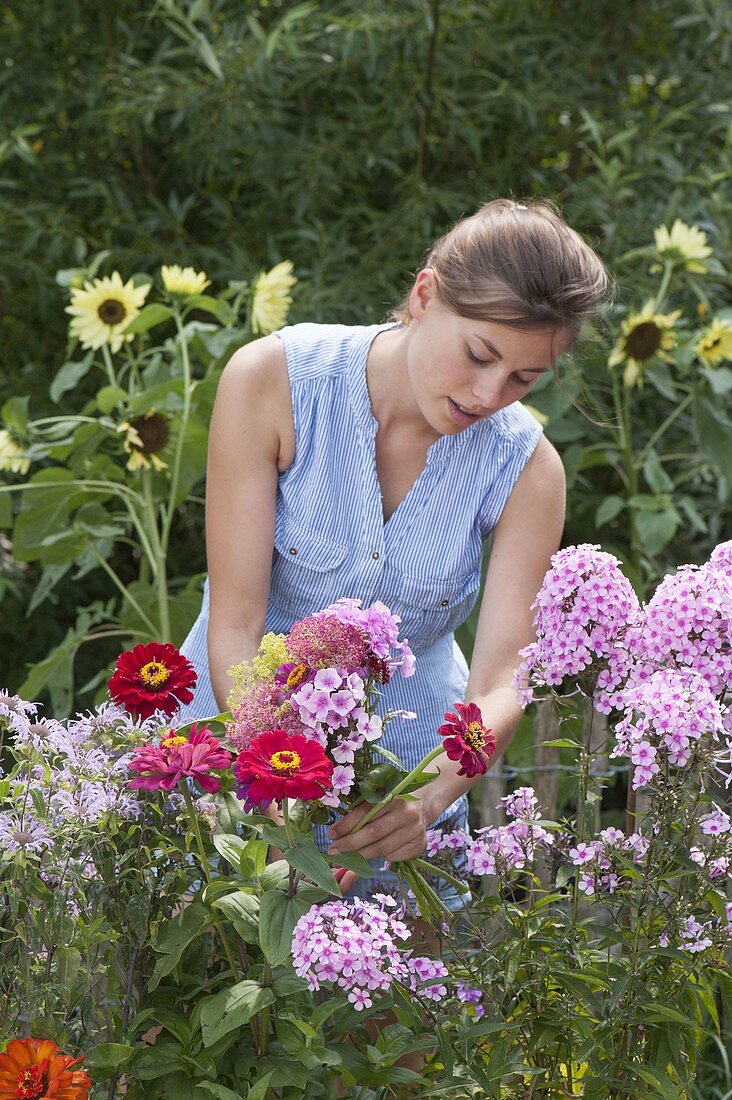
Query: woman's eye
522, 381
475, 359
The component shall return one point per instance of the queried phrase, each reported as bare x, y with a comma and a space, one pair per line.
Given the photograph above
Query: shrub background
344, 136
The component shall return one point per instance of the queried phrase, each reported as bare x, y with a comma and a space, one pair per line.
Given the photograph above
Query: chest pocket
305, 571
434, 607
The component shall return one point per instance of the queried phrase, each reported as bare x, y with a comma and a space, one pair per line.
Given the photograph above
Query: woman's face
462, 370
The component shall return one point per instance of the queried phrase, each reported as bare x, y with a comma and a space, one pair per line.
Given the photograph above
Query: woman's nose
487, 392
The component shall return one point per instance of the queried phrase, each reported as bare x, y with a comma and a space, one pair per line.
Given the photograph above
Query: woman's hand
398, 831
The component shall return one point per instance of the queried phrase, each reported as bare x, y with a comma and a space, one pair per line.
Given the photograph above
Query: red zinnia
31, 1069
468, 740
278, 765
152, 677
163, 766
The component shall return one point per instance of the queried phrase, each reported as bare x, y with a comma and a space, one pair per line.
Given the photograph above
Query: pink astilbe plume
323, 641
265, 707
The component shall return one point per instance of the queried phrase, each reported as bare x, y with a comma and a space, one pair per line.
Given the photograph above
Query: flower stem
207, 872
180, 441
109, 366
402, 785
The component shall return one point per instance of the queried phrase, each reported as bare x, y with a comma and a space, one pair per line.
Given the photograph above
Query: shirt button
293, 550
444, 603
375, 555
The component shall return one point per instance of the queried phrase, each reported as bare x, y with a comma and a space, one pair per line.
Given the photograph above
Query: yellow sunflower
686, 244
102, 310
144, 437
716, 344
12, 457
271, 298
183, 281
645, 335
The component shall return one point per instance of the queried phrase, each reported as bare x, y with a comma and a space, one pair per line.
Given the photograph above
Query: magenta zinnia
278, 765
468, 740
162, 766
152, 677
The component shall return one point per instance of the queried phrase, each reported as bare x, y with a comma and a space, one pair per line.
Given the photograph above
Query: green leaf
218, 1090
148, 317
656, 529
157, 1061
258, 1091
720, 380
45, 511
306, 857
179, 932
610, 507
221, 310
231, 1008
354, 861
107, 1057
664, 1086
713, 432
242, 910
109, 397
655, 474
15, 413
6, 510
278, 916
231, 847
69, 376
68, 963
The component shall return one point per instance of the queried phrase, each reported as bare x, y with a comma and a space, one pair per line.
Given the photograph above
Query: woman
372, 462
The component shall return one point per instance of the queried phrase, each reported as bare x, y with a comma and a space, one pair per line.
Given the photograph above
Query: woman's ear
422, 293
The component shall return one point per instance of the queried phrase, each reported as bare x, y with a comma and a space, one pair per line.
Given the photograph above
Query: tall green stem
400, 786
159, 562
180, 441
109, 366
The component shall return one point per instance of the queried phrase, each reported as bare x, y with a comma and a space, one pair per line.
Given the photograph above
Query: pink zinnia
468, 740
163, 766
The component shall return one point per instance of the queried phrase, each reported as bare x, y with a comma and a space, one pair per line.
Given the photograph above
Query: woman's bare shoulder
255, 383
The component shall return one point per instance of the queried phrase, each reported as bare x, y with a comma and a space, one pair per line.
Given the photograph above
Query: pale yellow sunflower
645, 335
682, 243
12, 457
183, 281
144, 436
716, 344
101, 310
271, 298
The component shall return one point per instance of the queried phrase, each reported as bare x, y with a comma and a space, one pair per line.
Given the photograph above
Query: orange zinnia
33, 1069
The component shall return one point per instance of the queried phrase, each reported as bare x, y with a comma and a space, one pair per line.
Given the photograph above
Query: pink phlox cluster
715, 856
694, 935
380, 627
356, 946
601, 861
582, 611
687, 624
721, 558
498, 850
439, 841
666, 716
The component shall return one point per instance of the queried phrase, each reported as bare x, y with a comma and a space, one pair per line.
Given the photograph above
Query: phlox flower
582, 612
381, 630
163, 766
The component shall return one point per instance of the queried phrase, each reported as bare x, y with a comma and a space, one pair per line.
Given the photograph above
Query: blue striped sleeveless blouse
331, 539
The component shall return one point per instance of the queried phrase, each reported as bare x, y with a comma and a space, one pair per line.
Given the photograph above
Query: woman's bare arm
524, 539
251, 442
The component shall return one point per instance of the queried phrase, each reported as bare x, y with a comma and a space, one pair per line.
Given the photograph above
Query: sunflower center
154, 675
152, 428
32, 1081
644, 341
296, 675
475, 735
285, 760
111, 311
173, 742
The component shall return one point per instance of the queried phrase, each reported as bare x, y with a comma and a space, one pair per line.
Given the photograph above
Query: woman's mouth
460, 415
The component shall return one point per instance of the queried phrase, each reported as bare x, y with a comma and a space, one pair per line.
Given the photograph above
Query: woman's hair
517, 264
